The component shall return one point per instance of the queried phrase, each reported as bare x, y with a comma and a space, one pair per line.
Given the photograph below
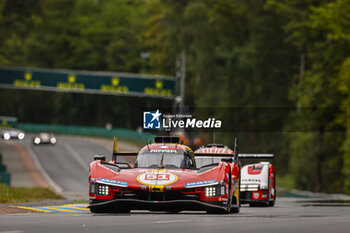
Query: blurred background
282, 66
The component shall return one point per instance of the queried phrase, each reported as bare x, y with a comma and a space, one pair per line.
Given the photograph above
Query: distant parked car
44, 138
11, 133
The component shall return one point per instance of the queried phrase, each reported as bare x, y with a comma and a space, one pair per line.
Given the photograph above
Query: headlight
53, 140
210, 191
7, 136
215, 191
99, 189
37, 140
102, 189
20, 136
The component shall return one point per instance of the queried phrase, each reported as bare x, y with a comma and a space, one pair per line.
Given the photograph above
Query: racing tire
236, 208
272, 202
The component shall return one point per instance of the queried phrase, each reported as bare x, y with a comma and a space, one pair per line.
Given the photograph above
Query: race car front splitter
174, 205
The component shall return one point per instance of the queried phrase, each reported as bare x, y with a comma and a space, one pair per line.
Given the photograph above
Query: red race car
164, 177
258, 186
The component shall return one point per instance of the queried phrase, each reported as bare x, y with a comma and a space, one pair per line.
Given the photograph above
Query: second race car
258, 181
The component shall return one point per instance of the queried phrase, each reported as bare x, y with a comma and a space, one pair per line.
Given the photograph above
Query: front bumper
253, 196
174, 205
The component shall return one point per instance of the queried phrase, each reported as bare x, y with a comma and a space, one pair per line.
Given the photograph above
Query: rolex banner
88, 82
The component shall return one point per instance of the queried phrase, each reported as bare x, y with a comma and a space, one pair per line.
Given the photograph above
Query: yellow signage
71, 84
114, 87
158, 90
27, 81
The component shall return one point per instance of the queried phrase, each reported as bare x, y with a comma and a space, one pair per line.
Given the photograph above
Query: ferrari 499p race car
164, 177
258, 181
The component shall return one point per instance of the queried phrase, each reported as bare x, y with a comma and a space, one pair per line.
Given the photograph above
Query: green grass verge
10, 195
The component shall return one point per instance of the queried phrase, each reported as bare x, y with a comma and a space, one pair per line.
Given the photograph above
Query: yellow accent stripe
29, 208
57, 208
49, 209
76, 207
115, 145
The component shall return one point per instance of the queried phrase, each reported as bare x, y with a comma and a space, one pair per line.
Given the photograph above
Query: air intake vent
167, 139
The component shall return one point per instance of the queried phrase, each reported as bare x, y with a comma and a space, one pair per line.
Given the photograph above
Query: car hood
139, 178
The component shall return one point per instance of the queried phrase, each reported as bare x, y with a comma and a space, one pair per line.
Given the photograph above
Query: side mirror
100, 157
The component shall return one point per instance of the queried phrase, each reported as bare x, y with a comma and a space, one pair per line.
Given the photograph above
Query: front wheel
236, 207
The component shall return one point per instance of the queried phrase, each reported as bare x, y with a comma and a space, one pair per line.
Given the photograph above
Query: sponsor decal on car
200, 183
113, 182
162, 151
157, 178
256, 195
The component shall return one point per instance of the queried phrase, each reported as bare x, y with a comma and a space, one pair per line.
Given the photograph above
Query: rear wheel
272, 202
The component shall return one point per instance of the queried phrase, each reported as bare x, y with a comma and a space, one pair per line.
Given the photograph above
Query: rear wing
233, 155
121, 153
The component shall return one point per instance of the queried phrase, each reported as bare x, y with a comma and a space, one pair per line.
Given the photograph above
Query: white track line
76, 156
38, 165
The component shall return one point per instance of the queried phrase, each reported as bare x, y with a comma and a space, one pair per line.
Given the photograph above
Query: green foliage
286, 182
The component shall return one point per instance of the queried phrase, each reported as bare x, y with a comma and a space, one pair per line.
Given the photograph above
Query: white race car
11, 133
44, 138
258, 186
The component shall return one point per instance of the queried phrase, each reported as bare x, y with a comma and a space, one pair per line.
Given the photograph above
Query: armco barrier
122, 134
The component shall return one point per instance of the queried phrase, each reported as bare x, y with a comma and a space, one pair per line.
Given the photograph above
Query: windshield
163, 160
202, 161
